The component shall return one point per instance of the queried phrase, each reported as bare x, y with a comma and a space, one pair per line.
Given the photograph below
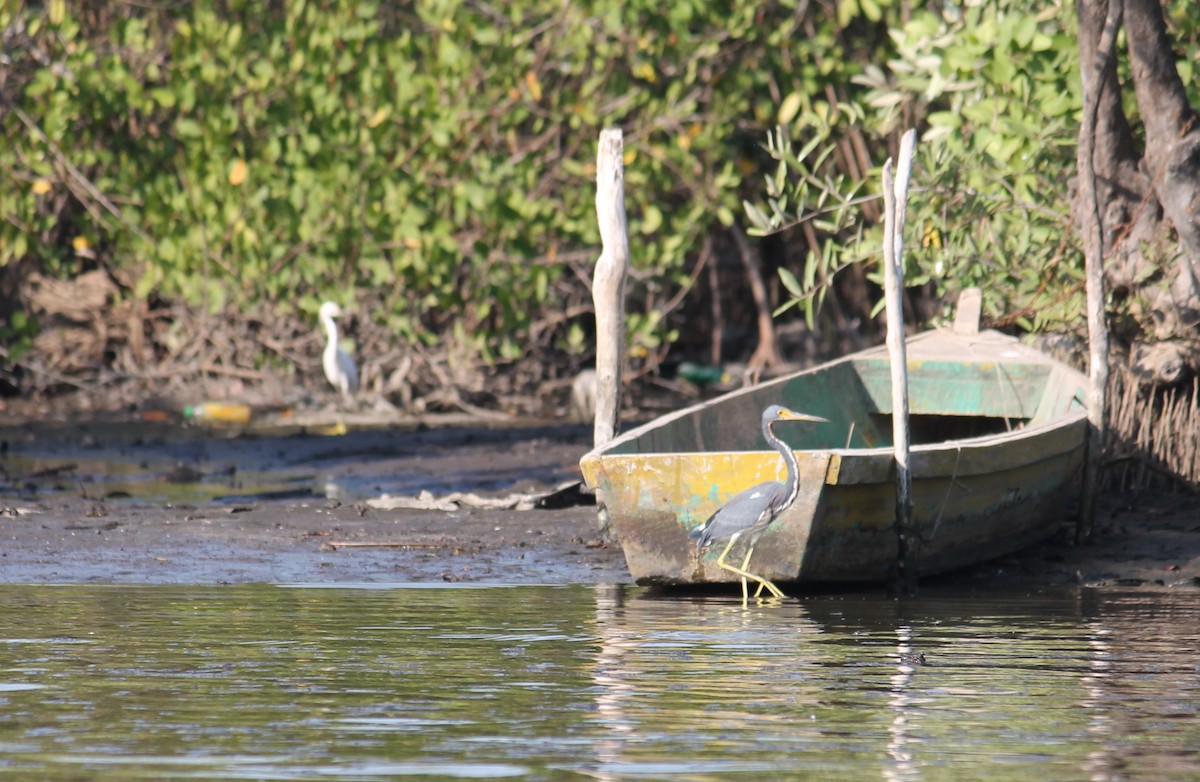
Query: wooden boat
998, 437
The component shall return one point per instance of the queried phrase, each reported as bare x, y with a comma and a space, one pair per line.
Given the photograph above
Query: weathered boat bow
998, 430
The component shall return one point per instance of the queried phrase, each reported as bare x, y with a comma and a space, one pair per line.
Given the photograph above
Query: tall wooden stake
895, 200
608, 291
608, 283
1093, 253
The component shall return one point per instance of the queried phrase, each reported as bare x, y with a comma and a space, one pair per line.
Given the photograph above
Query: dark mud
120, 501
72, 540
134, 502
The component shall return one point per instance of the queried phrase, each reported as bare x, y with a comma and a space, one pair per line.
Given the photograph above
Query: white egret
339, 366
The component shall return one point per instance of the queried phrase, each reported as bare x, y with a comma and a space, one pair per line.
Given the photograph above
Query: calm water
271, 682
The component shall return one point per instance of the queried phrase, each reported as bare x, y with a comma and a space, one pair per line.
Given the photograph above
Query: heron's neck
330, 332
789, 458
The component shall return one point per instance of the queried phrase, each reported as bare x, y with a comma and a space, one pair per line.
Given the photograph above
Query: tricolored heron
750, 513
339, 367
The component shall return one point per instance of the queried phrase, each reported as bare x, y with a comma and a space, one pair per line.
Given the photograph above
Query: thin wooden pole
1093, 253
895, 200
608, 293
608, 283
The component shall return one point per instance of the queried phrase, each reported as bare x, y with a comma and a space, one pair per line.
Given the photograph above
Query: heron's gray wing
348, 369
742, 512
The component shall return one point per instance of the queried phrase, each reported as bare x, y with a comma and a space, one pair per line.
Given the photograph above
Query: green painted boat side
998, 433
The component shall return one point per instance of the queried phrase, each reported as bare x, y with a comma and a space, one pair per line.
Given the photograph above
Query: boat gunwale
853, 466
1034, 357
1066, 420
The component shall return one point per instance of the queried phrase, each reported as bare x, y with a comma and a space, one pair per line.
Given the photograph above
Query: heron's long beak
791, 415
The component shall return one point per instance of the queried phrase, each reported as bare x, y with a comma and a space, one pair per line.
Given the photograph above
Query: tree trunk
767, 353
1149, 204
1172, 158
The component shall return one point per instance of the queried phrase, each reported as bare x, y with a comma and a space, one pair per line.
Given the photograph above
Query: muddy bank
1140, 540
308, 542
125, 502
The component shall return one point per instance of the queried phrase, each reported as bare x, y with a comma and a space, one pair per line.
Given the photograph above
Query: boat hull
974, 498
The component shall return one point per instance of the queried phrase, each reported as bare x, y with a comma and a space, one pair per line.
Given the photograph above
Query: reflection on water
607, 682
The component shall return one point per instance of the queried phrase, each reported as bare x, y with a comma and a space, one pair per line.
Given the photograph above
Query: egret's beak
791, 415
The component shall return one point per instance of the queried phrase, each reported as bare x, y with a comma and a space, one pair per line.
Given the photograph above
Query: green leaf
163, 97
652, 219
756, 216
188, 128
791, 283
790, 107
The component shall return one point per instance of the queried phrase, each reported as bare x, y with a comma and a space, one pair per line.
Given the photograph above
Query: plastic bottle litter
705, 374
218, 412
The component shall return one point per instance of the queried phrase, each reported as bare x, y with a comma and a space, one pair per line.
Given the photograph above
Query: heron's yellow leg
762, 582
745, 574
770, 586
721, 563
746, 564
